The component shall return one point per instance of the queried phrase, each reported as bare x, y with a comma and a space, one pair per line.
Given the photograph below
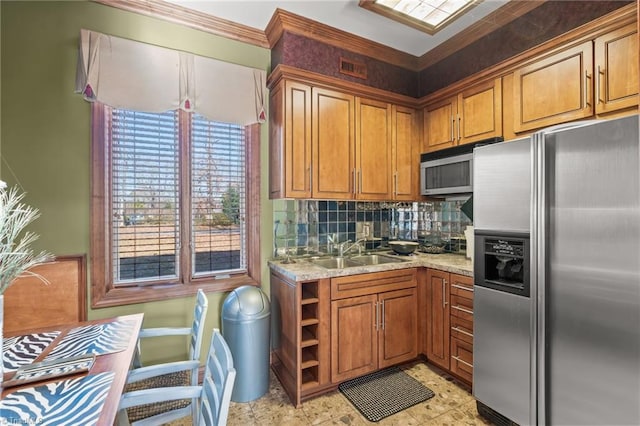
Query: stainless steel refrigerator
557, 276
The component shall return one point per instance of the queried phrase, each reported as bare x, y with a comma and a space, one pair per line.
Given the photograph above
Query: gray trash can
246, 328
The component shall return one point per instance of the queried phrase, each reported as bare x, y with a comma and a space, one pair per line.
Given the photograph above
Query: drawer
372, 283
462, 307
462, 286
462, 359
462, 329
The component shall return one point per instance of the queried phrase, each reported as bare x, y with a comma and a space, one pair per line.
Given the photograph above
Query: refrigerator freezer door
501, 351
502, 186
591, 236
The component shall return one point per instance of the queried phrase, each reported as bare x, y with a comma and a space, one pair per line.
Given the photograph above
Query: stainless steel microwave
449, 172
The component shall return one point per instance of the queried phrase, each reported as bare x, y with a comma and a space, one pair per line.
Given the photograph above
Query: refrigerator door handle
538, 284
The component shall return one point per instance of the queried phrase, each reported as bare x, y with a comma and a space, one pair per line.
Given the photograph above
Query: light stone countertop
304, 270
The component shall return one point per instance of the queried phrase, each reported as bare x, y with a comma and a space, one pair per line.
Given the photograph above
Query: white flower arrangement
16, 254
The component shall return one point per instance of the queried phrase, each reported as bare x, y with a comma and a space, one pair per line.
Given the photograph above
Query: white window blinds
145, 195
138, 76
217, 197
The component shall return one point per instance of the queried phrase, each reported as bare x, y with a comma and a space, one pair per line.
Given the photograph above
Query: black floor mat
383, 393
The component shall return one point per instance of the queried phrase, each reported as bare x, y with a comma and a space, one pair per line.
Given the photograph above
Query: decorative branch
16, 254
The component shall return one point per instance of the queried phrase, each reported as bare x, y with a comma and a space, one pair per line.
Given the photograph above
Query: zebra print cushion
96, 339
23, 350
69, 402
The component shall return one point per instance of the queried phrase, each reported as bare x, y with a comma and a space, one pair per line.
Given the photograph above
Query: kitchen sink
353, 261
335, 262
375, 259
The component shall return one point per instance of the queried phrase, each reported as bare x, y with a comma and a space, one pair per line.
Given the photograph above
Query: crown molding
283, 20
496, 19
193, 19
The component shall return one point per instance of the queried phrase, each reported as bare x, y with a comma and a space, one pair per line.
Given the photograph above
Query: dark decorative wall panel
541, 24
312, 55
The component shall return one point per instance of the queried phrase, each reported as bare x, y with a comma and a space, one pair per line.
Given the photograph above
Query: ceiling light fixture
429, 16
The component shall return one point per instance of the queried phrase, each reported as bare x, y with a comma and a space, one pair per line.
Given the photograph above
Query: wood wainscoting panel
30, 303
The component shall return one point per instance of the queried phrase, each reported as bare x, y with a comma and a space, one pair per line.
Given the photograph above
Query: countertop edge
304, 270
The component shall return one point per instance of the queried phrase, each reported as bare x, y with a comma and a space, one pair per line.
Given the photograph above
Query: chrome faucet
342, 250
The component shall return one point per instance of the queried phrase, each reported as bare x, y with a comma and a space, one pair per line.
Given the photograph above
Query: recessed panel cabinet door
554, 90
354, 338
438, 321
373, 150
406, 159
480, 112
290, 141
439, 124
616, 84
398, 327
333, 121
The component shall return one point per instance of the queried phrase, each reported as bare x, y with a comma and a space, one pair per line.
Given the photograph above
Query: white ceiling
345, 15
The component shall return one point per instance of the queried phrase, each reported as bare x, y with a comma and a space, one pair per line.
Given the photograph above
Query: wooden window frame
103, 292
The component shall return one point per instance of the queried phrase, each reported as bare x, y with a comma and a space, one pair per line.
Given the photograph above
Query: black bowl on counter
403, 247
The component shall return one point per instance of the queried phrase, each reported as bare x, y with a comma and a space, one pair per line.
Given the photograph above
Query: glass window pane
217, 197
145, 235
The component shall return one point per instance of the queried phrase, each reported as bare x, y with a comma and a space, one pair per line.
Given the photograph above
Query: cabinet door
406, 159
439, 122
617, 70
398, 327
373, 150
333, 132
555, 89
480, 112
438, 321
354, 338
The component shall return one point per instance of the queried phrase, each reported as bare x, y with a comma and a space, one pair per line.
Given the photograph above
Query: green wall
45, 134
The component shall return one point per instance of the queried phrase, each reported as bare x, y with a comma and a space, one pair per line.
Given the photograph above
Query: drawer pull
458, 308
460, 287
461, 361
459, 330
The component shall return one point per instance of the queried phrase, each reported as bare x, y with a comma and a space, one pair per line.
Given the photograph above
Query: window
170, 205
429, 16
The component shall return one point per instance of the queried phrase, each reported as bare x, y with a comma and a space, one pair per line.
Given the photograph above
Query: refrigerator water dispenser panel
504, 263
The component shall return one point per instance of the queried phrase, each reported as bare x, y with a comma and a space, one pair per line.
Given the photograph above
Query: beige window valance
128, 74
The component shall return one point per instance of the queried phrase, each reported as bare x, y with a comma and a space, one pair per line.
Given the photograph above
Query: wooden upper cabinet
439, 124
373, 150
405, 153
333, 134
480, 112
616, 70
472, 115
555, 89
290, 141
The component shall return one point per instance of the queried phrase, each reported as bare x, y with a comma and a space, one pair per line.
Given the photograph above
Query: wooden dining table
68, 340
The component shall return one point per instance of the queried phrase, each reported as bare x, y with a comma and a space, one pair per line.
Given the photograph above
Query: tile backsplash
302, 226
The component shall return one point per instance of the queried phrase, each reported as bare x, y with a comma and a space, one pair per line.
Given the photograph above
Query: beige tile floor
451, 405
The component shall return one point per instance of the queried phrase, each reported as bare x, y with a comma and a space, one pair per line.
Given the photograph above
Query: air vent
353, 68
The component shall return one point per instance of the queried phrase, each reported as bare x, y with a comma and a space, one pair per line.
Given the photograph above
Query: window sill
132, 295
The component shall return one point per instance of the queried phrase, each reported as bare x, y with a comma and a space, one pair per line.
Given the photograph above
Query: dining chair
180, 373
214, 394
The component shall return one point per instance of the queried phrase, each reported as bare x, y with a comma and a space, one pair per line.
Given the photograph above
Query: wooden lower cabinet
438, 317
300, 336
372, 328
446, 302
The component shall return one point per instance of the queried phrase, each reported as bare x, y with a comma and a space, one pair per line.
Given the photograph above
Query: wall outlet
364, 230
